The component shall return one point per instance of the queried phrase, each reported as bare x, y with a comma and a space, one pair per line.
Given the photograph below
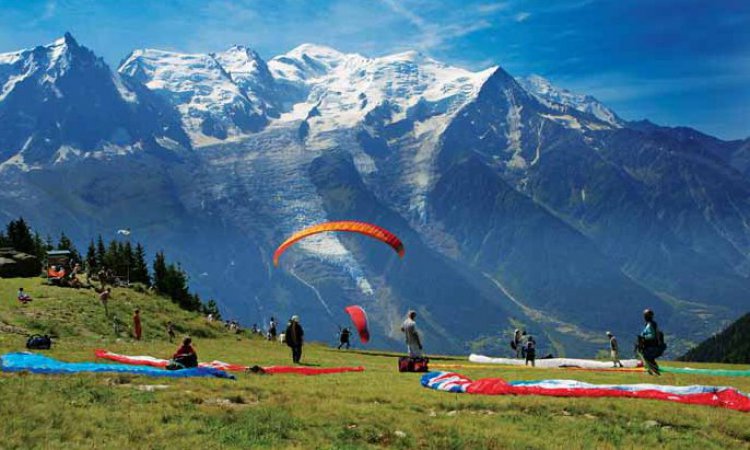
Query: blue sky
676, 62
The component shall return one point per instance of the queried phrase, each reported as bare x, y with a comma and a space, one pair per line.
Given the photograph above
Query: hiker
185, 356
23, 297
530, 351
272, 329
344, 338
116, 325
137, 330
614, 351
104, 298
413, 343
649, 345
170, 331
517, 343
295, 338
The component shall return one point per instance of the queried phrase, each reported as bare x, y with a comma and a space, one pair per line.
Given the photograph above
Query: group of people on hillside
650, 345
59, 275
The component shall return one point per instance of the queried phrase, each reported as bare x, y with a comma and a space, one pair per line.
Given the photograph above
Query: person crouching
185, 356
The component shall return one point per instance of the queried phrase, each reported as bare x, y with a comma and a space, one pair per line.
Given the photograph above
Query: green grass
377, 408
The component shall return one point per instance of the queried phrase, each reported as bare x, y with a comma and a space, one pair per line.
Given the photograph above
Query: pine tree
101, 252
112, 258
91, 264
139, 273
20, 237
128, 259
4, 241
40, 248
212, 308
66, 244
160, 273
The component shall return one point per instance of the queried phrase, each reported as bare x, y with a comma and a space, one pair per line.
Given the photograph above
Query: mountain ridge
533, 206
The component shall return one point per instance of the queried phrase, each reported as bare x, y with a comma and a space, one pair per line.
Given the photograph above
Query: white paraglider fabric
556, 362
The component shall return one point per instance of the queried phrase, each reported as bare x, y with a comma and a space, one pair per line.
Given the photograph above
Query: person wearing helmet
614, 351
649, 346
295, 338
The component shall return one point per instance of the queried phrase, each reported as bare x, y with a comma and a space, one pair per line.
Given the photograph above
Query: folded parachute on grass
709, 372
556, 362
717, 396
30, 362
490, 366
220, 365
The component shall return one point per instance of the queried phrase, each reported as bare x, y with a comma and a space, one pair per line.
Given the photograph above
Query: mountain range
520, 204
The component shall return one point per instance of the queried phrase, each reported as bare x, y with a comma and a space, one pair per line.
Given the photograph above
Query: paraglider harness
413, 364
39, 342
183, 362
652, 348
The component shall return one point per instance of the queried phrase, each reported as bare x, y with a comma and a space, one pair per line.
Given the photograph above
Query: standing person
104, 298
137, 330
413, 343
614, 350
518, 342
23, 297
116, 325
530, 351
295, 338
344, 338
170, 331
272, 329
651, 343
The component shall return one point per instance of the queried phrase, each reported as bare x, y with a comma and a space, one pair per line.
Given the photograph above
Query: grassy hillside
730, 346
377, 408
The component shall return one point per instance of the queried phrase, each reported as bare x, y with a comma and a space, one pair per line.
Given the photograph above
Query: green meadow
376, 408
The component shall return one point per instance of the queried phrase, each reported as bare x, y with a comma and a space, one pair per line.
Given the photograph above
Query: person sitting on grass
23, 297
185, 356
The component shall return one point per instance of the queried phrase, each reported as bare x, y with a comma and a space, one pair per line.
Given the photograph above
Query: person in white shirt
413, 343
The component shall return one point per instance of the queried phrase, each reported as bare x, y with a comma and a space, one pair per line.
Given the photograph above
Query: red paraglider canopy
359, 319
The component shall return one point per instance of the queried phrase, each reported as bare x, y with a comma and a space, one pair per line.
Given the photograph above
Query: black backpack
661, 344
39, 342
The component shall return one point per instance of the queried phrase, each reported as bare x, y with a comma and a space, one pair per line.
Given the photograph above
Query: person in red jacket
137, 329
185, 355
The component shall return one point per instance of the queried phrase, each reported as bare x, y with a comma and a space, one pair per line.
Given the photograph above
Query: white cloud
49, 9
522, 16
489, 8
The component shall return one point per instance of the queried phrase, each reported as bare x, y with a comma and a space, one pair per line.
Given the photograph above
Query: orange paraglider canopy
351, 226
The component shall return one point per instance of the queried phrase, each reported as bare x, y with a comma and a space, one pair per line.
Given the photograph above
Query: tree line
122, 259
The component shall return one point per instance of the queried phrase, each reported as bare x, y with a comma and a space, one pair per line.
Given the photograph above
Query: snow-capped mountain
518, 202
211, 104
551, 95
59, 100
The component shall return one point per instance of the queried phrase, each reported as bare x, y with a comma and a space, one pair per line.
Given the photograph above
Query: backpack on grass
412, 364
39, 342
